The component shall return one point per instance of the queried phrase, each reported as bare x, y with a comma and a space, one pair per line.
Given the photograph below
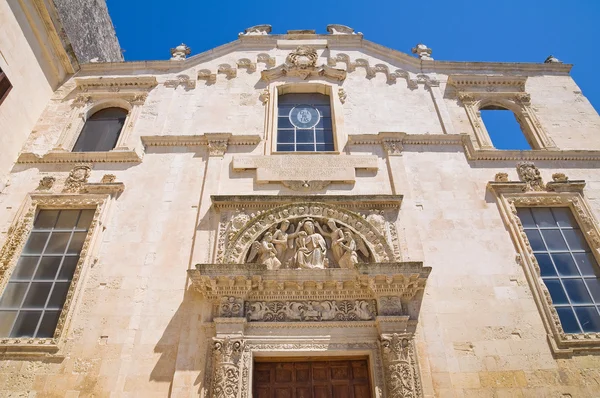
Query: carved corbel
46, 183
227, 70
342, 94
206, 74
266, 59
181, 80
217, 147
247, 64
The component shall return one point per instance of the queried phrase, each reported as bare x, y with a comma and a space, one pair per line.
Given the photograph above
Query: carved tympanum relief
307, 244
309, 236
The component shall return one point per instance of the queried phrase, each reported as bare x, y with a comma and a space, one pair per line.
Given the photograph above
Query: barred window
101, 131
567, 266
37, 289
304, 123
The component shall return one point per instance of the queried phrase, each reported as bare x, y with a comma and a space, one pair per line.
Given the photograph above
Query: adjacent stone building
303, 215
42, 44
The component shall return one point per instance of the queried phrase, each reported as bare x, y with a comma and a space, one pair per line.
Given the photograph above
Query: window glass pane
76, 242
37, 295
58, 243
305, 136
568, 321
25, 268
45, 219
285, 136
535, 240
564, 217
284, 123
576, 291
586, 263
284, 109
324, 110
13, 295
565, 264
588, 318
48, 268
325, 147
554, 239
68, 267
594, 285
543, 217
57, 298
48, 324
26, 324
285, 148
101, 131
324, 123
526, 217
556, 291
324, 136
6, 320
305, 148
575, 239
36, 242
85, 219
67, 219
546, 266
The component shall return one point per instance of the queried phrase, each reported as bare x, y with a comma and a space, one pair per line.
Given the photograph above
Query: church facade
303, 215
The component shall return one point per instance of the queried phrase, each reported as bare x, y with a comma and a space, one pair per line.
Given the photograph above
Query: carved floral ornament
294, 236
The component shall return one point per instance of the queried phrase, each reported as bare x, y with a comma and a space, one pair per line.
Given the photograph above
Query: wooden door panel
318, 379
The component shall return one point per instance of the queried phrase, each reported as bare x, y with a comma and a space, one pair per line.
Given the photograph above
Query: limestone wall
140, 329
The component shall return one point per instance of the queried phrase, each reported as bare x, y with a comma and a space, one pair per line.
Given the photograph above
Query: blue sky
457, 30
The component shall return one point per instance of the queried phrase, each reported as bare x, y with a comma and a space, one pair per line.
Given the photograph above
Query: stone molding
306, 171
56, 156
216, 143
9, 254
532, 192
488, 82
471, 151
115, 84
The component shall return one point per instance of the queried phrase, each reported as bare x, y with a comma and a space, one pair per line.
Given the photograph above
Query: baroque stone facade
210, 250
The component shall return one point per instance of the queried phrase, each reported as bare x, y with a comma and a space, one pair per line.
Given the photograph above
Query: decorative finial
180, 52
422, 51
335, 29
552, 60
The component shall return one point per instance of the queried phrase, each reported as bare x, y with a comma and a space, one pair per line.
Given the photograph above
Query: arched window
101, 130
304, 123
503, 127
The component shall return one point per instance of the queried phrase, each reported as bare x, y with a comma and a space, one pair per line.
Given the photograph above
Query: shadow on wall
185, 346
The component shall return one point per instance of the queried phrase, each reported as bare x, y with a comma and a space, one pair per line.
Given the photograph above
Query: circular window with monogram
304, 116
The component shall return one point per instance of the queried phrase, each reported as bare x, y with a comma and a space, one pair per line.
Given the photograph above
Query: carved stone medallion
303, 57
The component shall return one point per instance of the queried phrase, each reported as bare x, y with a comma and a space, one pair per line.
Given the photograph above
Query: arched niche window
101, 130
504, 128
304, 123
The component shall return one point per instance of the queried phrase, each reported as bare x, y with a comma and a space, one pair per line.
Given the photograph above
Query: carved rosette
231, 307
401, 369
226, 376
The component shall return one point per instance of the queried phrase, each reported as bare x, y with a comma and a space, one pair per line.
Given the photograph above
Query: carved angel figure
266, 252
280, 239
337, 237
349, 258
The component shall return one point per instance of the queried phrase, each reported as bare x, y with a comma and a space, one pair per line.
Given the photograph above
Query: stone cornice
344, 201
463, 82
471, 152
115, 83
200, 139
114, 156
268, 42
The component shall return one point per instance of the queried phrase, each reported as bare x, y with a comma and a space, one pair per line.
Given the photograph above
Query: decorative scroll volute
239, 244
